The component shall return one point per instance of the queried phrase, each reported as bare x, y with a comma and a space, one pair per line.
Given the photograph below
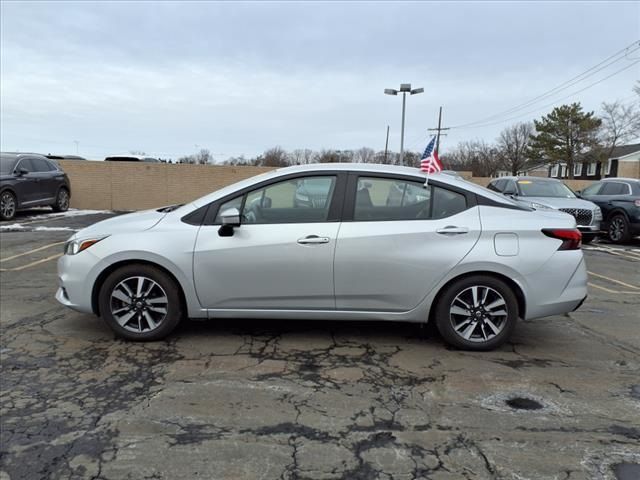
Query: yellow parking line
613, 280
31, 251
611, 291
37, 262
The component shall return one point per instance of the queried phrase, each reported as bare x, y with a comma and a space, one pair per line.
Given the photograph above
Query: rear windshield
543, 188
6, 164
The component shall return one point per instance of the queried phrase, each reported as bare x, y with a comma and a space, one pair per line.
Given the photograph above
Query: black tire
619, 230
8, 205
587, 238
445, 319
62, 201
168, 287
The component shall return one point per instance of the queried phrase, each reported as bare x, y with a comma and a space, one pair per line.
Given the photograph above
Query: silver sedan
376, 243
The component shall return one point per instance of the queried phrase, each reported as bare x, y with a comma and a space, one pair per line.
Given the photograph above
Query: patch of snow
72, 212
18, 227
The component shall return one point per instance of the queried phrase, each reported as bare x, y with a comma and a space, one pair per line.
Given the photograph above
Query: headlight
73, 247
539, 206
597, 214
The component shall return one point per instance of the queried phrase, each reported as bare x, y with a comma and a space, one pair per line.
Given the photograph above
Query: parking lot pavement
316, 400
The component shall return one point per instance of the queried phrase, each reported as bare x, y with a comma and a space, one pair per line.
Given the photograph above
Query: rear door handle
451, 230
311, 239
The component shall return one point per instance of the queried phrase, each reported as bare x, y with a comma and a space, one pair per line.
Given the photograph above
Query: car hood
558, 202
127, 223
6, 176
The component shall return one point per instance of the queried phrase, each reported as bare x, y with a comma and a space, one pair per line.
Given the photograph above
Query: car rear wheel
477, 313
618, 231
62, 201
8, 205
140, 302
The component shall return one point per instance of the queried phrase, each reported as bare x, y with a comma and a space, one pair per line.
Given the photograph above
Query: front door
402, 239
280, 257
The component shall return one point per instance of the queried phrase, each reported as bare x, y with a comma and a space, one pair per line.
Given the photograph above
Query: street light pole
404, 88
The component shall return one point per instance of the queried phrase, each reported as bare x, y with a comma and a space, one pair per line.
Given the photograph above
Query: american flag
429, 162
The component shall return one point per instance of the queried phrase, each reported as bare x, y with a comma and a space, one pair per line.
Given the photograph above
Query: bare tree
476, 156
275, 157
513, 145
203, 157
620, 124
365, 155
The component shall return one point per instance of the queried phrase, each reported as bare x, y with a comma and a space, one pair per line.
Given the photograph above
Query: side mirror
230, 219
22, 171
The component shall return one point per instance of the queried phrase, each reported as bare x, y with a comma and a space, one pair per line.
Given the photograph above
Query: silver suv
548, 193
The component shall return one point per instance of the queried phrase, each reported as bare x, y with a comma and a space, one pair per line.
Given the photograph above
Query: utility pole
439, 129
386, 145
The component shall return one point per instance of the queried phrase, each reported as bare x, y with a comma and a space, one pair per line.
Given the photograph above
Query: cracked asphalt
314, 400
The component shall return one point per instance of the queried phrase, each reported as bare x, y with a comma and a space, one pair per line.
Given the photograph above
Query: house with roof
623, 161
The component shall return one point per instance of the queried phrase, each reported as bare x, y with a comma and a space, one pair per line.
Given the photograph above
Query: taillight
571, 237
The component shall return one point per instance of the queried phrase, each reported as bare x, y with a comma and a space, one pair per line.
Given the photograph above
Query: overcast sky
238, 78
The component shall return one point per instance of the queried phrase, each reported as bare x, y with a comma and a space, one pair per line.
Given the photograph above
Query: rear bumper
544, 302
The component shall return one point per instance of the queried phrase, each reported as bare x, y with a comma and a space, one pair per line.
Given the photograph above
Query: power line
555, 101
607, 62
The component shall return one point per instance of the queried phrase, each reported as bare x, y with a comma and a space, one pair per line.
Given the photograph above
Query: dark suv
619, 200
31, 180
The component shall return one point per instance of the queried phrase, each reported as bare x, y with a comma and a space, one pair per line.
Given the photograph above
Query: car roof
620, 179
17, 155
526, 177
355, 167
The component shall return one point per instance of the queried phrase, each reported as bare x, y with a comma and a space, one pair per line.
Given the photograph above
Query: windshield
6, 164
544, 188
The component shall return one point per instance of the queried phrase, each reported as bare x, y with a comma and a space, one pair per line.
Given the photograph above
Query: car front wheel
618, 231
140, 302
477, 313
62, 201
8, 205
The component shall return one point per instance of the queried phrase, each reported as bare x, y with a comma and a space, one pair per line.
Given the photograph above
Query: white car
450, 252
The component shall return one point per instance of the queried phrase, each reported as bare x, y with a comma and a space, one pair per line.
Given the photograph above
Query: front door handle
452, 230
312, 239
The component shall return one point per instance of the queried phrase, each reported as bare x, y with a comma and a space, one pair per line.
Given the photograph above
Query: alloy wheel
617, 229
63, 200
478, 313
139, 304
7, 205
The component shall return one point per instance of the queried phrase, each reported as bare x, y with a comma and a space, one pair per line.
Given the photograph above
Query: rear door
48, 179
398, 239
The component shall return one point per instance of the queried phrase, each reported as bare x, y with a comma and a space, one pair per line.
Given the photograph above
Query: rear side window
382, 199
614, 188
447, 203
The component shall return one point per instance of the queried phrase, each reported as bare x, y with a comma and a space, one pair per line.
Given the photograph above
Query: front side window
592, 189
26, 164
301, 200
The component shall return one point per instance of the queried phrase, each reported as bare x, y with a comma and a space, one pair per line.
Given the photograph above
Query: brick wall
138, 186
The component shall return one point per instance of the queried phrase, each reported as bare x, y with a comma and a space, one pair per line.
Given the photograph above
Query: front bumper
76, 280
